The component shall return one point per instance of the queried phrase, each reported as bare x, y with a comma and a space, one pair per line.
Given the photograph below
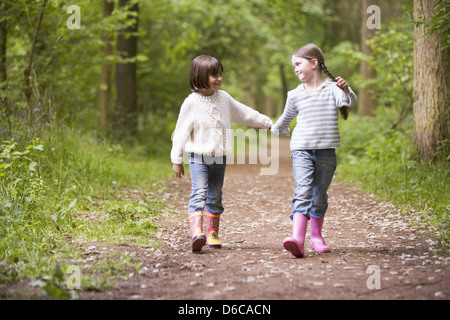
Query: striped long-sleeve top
317, 116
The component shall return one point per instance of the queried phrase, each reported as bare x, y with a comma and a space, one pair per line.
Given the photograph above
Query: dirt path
376, 253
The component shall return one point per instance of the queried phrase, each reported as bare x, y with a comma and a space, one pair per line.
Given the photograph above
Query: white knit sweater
204, 124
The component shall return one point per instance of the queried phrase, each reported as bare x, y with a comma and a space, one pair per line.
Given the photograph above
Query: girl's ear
314, 63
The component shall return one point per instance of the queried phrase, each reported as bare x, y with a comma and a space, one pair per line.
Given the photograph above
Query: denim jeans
207, 175
313, 171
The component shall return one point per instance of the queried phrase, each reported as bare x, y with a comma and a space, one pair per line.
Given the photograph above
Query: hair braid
324, 69
342, 110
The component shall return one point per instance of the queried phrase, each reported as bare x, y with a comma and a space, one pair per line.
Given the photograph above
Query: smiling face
304, 69
206, 75
215, 81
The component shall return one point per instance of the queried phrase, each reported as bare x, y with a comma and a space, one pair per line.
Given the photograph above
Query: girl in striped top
316, 103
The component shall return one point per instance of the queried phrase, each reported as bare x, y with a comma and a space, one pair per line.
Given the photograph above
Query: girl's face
214, 84
215, 81
303, 68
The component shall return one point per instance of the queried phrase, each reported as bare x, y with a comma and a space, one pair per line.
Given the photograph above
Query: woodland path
368, 238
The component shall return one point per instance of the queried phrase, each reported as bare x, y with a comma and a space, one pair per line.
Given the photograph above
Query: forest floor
376, 252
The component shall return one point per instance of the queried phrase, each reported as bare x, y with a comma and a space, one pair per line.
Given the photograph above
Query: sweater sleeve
242, 114
183, 129
281, 127
341, 99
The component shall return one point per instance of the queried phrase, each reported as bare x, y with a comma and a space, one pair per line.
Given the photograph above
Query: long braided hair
311, 51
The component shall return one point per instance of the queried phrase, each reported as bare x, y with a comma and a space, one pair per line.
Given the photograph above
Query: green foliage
66, 189
135, 218
382, 161
21, 190
354, 143
64, 185
19, 172
439, 22
60, 81
393, 62
378, 153
254, 39
392, 59
54, 285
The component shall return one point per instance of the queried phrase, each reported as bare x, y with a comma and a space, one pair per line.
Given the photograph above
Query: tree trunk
105, 82
431, 86
27, 72
3, 39
126, 115
366, 96
284, 89
4, 105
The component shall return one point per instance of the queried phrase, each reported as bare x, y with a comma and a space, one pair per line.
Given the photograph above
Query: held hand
342, 84
178, 169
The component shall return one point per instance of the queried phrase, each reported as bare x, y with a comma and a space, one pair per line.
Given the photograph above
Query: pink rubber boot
213, 221
296, 244
196, 225
317, 242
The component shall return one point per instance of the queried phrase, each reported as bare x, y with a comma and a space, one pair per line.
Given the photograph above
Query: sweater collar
324, 84
199, 97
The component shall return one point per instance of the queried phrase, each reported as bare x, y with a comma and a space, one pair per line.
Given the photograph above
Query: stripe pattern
317, 116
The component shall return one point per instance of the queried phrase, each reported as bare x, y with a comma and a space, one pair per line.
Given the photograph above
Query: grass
67, 192
64, 192
382, 161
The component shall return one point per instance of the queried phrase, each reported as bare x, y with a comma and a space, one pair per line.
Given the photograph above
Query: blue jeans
313, 171
207, 174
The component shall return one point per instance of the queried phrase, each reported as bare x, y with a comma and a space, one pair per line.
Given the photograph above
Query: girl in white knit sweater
204, 131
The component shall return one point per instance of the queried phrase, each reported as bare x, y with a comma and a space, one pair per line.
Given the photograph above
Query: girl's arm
345, 97
183, 129
281, 127
242, 114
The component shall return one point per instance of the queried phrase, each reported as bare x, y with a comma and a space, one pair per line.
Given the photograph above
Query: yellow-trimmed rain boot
196, 225
212, 232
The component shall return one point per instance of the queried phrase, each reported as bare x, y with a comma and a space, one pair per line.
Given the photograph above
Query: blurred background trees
124, 73
89, 99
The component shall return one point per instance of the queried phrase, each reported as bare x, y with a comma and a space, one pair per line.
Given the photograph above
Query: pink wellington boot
296, 244
213, 221
196, 225
317, 242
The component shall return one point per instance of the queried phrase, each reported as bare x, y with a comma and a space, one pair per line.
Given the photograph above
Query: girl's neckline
199, 95
207, 95
303, 85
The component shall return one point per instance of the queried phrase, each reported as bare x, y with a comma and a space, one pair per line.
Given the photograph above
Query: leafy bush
381, 160
20, 172
65, 189
392, 59
21, 191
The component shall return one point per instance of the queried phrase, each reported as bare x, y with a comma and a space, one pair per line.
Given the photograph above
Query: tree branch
27, 71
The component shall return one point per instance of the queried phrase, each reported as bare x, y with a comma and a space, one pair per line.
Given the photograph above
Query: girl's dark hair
311, 51
201, 68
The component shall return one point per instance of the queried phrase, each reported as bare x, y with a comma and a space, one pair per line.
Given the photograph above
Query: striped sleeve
341, 99
281, 127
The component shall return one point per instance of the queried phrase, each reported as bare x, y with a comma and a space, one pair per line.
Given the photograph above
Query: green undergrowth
65, 193
382, 161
